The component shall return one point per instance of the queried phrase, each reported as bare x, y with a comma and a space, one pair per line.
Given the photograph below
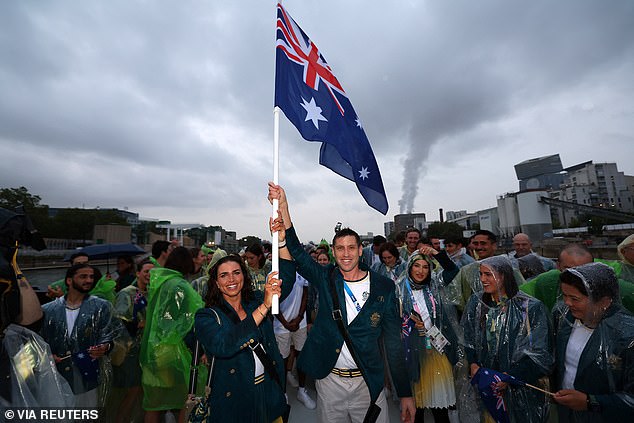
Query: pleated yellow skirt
435, 388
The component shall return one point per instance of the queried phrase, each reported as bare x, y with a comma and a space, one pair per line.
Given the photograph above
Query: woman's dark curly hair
257, 250
214, 296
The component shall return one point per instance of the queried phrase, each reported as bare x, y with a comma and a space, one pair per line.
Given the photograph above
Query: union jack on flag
312, 98
499, 394
493, 399
407, 326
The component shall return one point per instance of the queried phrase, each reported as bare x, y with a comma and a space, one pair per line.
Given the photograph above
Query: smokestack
441, 218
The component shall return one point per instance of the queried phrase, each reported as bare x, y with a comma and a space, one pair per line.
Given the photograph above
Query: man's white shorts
286, 339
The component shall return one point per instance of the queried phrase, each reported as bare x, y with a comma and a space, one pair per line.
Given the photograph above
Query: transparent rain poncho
530, 266
419, 347
35, 381
510, 335
93, 326
595, 344
626, 272
467, 282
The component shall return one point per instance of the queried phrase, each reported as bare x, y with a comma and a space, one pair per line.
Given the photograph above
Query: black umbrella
105, 251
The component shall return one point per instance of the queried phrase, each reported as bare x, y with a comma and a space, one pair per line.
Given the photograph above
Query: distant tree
80, 223
12, 198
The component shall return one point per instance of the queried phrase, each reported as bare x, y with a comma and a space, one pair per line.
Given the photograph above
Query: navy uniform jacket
606, 367
378, 320
234, 397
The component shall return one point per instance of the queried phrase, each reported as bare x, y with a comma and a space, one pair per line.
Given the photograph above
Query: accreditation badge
438, 340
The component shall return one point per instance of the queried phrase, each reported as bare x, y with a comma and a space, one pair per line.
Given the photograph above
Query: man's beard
81, 289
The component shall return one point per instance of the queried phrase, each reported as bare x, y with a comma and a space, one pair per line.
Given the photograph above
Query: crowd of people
411, 320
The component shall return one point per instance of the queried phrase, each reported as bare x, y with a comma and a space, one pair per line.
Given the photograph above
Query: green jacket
378, 320
234, 396
606, 367
545, 288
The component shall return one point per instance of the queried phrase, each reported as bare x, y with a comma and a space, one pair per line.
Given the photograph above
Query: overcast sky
165, 107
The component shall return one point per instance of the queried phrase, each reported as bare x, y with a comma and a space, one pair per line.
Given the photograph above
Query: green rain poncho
165, 359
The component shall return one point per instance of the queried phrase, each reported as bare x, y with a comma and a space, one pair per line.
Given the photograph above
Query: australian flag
312, 98
485, 380
140, 302
407, 327
88, 366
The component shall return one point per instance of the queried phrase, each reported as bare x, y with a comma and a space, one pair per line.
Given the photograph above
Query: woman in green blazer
231, 327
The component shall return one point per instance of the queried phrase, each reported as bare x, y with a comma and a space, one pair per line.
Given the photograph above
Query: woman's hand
418, 323
501, 386
427, 250
98, 350
575, 400
276, 192
277, 225
273, 286
474, 369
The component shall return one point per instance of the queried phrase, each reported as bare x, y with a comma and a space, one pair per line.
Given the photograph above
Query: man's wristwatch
592, 403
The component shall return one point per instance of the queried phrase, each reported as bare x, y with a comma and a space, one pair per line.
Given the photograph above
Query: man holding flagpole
348, 382
343, 351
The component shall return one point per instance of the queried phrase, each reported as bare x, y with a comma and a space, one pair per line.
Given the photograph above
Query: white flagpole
275, 305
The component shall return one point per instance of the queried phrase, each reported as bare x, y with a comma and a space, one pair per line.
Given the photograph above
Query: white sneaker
290, 379
304, 398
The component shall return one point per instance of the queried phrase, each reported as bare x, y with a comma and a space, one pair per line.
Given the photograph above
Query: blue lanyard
352, 297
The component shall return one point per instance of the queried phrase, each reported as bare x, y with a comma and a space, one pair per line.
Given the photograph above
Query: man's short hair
453, 239
70, 273
379, 240
412, 229
346, 232
576, 250
492, 237
159, 247
77, 254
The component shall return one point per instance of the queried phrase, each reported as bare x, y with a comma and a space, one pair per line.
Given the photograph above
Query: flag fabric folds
312, 98
485, 380
140, 302
88, 366
407, 327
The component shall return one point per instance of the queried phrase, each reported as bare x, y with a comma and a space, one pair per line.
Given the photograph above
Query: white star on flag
359, 123
313, 112
80, 355
363, 173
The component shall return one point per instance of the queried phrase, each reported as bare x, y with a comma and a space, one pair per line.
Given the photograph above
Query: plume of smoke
414, 166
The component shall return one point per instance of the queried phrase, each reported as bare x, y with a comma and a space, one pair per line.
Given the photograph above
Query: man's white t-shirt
361, 291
